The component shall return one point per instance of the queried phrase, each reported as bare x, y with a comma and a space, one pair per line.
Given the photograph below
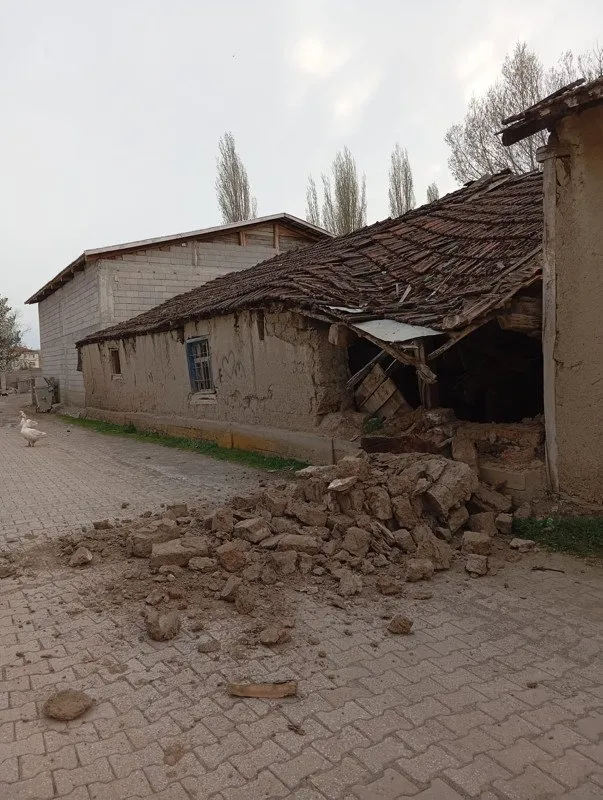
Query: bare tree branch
232, 184
344, 200
401, 191
475, 150
312, 208
433, 193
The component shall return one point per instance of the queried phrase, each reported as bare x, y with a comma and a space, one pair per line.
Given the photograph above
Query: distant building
26, 359
109, 285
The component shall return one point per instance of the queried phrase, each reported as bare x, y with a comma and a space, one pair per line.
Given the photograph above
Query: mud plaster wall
287, 379
573, 299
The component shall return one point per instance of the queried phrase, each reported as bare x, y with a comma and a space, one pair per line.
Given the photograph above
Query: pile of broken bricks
394, 517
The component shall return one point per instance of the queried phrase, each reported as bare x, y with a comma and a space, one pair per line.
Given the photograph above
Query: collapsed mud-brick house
108, 285
444, 302
411, 324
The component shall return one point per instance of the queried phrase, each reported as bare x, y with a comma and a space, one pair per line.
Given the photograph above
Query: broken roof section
443, 266
106, 252
571, 99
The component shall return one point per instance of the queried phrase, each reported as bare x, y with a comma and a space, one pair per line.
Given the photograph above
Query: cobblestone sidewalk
497, 695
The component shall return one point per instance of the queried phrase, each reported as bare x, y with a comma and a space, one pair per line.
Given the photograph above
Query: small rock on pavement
245, 600
422, 594
419, 569
477, 542
349, 583
6, 569
101, 525
67, 704
389, 586
523, 545
81, 558
162, 627
476, 565
274, 634
400, 624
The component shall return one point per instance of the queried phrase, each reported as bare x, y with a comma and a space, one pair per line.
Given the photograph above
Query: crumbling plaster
272, 369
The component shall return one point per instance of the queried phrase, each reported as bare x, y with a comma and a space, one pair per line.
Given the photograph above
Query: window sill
203, 398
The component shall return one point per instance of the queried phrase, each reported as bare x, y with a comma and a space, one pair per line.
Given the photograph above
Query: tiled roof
445, 265
546, 113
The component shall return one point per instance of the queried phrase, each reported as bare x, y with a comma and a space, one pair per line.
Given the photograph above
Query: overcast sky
111, 111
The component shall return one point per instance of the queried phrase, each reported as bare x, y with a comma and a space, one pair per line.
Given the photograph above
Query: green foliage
582, 536
201, 446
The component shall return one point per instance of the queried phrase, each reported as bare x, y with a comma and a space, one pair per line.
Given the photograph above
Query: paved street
497, 694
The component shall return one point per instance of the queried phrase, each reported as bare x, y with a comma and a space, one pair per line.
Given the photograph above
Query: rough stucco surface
574, 294
112, 290
283, 374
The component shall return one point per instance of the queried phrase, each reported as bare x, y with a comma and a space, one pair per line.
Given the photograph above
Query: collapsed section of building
305, 352
309, 352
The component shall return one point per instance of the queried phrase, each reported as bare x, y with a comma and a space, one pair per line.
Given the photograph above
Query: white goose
30, 434
25, 422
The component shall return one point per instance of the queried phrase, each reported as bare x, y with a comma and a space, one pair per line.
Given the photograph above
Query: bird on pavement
28, 423
31, 435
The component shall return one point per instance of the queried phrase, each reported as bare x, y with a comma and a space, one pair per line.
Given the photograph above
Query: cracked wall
269, 369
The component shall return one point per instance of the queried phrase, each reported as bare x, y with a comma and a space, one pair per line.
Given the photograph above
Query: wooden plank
276, 238
379, 397
370, 384
242, 238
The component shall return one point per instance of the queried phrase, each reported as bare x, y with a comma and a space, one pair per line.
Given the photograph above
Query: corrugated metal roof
442, 266
144, 244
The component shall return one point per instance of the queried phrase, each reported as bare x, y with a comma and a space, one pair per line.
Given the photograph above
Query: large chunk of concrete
308, 514
430, 547
477, 542
379, 503
357, 542
252, 530
178, 551
140, 543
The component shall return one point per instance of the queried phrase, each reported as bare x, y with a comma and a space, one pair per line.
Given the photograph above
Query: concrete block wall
73, 311
116, 288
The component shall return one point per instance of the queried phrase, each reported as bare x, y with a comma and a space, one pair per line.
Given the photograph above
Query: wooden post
428, 392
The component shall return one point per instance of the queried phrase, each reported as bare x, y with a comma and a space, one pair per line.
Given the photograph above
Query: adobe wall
272, 370
573, 299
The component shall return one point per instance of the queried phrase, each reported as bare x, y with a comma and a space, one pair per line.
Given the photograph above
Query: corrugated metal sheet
389, 330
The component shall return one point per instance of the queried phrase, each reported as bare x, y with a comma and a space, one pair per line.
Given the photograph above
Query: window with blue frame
198, 356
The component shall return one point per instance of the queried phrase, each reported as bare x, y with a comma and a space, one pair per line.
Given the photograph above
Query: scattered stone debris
67, 704
422, 594
6, 568
476, 542
101, 525
400, 625
161, 627
476, 565
419, 569
81, 558
523, 545
269, 691
274, 634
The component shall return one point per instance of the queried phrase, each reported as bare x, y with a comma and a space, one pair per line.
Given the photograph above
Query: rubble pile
369, 525
396, 517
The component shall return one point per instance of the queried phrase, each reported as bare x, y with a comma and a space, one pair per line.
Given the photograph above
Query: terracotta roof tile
445, 265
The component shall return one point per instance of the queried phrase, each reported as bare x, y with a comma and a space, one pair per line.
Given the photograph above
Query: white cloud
311, 55
352, 98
